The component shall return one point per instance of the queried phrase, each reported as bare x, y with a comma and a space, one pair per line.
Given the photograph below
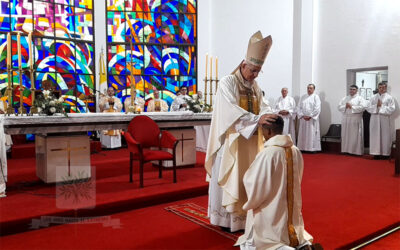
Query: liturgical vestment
271, 200
309, 138
232, 146
163, 105
110, 138
380, 130
289, 104
352, 124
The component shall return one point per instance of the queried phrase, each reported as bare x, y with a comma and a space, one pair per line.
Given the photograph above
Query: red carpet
345, 199
198, 214
29, 198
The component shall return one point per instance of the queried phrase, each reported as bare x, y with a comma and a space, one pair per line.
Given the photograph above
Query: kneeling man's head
272, 129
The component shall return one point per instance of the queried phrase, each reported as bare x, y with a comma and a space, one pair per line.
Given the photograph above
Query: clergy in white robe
110, 103
381, 106
285, 107
137, 102
273, 188
157, 104
352, 135
180, 101
308, 111
233, 142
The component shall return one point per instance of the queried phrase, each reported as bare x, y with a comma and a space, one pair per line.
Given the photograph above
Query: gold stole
294, 241
248, 101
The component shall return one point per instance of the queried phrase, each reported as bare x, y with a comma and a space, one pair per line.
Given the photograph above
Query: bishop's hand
267, 119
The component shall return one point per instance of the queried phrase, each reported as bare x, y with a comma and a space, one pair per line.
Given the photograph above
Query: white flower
39, 110
52, 103
43, 106
197, 107
46, 93
60, 100
52, 109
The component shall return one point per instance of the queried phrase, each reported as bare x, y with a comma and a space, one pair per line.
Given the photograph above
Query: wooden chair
142, 136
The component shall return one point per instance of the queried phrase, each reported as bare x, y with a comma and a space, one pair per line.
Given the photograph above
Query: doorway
367, 80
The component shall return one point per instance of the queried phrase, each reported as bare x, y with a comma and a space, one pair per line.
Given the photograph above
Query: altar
76, 122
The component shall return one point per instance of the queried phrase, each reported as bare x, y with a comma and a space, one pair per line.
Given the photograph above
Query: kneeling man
273, 187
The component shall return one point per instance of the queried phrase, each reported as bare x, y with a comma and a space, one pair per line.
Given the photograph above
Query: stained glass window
63, 48
163, 54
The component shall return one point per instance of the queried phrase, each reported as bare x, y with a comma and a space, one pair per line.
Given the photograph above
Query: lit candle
206, 64
216, 68
210, 67
30, 50
9, 51
19, 50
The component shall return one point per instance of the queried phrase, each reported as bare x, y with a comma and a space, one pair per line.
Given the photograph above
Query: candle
30, 50
9, 51
206, 64
216, 68
19, 50
210, 67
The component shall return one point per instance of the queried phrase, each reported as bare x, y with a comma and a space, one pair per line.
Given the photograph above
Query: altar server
180, 101
273, 188
233, 142
137, 101
352, 136
285, 107
308, 114
110, 104
381, 106
157, 104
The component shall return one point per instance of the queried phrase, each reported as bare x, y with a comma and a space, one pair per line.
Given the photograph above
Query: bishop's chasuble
273, 187
232, 146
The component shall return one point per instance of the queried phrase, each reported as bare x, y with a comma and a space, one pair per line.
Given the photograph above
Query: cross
191, 139
68, 149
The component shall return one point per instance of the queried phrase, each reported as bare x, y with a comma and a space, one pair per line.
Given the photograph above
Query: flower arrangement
48, 104
196, 105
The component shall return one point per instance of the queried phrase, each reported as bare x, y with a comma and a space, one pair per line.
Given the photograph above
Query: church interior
145, 52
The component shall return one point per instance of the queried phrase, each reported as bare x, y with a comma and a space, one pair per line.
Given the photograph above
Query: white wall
354, 34
225, 27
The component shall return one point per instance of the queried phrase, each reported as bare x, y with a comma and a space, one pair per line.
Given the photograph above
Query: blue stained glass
170, 59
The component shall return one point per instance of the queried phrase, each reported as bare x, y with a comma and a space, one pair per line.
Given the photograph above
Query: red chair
142, 135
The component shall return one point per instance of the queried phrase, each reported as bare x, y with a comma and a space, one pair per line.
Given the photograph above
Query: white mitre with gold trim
257, 50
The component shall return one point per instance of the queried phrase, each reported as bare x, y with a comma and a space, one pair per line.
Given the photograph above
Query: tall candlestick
19, 50
9, 51
30, 50
211, 67
206, 65
216, 68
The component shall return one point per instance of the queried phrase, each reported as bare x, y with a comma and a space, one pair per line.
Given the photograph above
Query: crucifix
182, 140
68, 149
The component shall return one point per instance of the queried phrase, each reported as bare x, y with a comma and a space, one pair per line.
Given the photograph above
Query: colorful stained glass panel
65, 23
187, 61
44, 18
21, 15
84, 24
115, 27
115, 5
5, 20
136, 56
84, 58
44, 55
152, 60
170, 60
187, 28
116, 59
65, 56
87, 4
